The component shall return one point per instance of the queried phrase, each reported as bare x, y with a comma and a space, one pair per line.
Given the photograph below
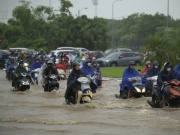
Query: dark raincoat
152, 72
35, 65
72, 84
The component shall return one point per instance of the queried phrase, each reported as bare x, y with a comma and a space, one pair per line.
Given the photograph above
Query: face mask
155, 66
95, 64
168, 69
149, 66
89, 64
37, 61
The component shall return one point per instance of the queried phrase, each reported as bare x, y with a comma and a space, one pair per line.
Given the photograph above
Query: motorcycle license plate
85, 86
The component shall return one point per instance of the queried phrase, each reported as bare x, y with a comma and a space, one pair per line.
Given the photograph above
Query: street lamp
80, 10
112, 41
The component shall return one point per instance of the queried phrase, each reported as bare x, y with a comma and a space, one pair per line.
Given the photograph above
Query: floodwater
39, 113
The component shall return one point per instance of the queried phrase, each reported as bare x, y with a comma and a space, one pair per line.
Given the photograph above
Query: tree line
43, 28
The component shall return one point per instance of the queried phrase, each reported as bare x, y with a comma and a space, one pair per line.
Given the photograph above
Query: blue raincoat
128, 73
35, 65
177, 71
87, 70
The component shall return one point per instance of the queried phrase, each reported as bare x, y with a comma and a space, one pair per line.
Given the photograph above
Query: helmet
50, 62
148, 62
131, 63
156, 63
21, 62
75, 64
167, 65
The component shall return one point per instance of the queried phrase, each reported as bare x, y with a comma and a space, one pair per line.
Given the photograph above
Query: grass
115, 72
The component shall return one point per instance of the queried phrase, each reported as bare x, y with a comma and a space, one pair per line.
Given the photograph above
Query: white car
81, 50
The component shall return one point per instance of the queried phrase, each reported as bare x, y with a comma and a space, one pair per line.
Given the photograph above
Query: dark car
119, 59
3, 56
96, 54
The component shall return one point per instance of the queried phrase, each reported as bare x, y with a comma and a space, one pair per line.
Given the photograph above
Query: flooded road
39, 113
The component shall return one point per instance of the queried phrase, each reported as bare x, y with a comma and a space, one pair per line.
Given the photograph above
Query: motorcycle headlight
138, 90
26, 64
106, 60
143, 90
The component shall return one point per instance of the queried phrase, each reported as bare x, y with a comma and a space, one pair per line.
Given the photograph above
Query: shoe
117, 96
13, 89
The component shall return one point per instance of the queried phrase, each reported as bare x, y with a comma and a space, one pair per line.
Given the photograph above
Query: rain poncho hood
177, 71
87, 70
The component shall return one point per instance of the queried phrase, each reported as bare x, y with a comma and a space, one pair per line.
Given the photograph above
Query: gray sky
104, 8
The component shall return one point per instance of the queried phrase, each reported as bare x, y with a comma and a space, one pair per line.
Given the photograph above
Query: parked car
82, 49
63, 51
119, 59
3, 56
95, 54
108, 51
120, 50
68, 48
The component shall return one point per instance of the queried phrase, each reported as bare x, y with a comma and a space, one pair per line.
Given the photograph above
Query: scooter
84, 95
151, 85
36, 73
51, 84
139, 88
62, 74
23, 82
173, 95
10, 75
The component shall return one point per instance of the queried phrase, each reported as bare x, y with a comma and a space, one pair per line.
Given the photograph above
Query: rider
53, 57
18, 70
97, 72
148, 65
35, 66
152, 71
49, 71
126, 85
72, 84
164, 77
177, 71
10, 64
89, 71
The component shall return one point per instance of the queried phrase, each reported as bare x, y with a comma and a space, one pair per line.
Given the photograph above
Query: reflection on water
36, 112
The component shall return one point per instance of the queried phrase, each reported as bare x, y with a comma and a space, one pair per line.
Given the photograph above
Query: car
120, 50
3, 56
68, 48
95, 54
119, 59
63, 51
81, 50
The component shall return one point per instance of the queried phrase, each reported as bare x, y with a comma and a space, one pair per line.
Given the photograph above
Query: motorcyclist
72, 84
61, 65
53, 57
35, 66
166, 75
48, 72
126, 85
97, 72
18, 70
78, 58
148, 65
89, 71
177, 71
10, 64
152, 71
41, 80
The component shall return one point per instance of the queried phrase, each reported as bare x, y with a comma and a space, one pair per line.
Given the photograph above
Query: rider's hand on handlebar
165, 82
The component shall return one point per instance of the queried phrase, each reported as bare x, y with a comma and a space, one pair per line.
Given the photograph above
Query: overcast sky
104, 9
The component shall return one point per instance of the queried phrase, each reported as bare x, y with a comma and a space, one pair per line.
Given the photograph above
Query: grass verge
115, 72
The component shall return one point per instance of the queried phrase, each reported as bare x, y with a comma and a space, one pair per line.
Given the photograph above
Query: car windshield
113, 55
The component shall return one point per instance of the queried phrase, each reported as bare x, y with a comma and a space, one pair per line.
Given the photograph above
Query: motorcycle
172, 98
151, 85
139, 89
51, 84
36, 73
23, 82
62, 74
84, 95
10, 75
